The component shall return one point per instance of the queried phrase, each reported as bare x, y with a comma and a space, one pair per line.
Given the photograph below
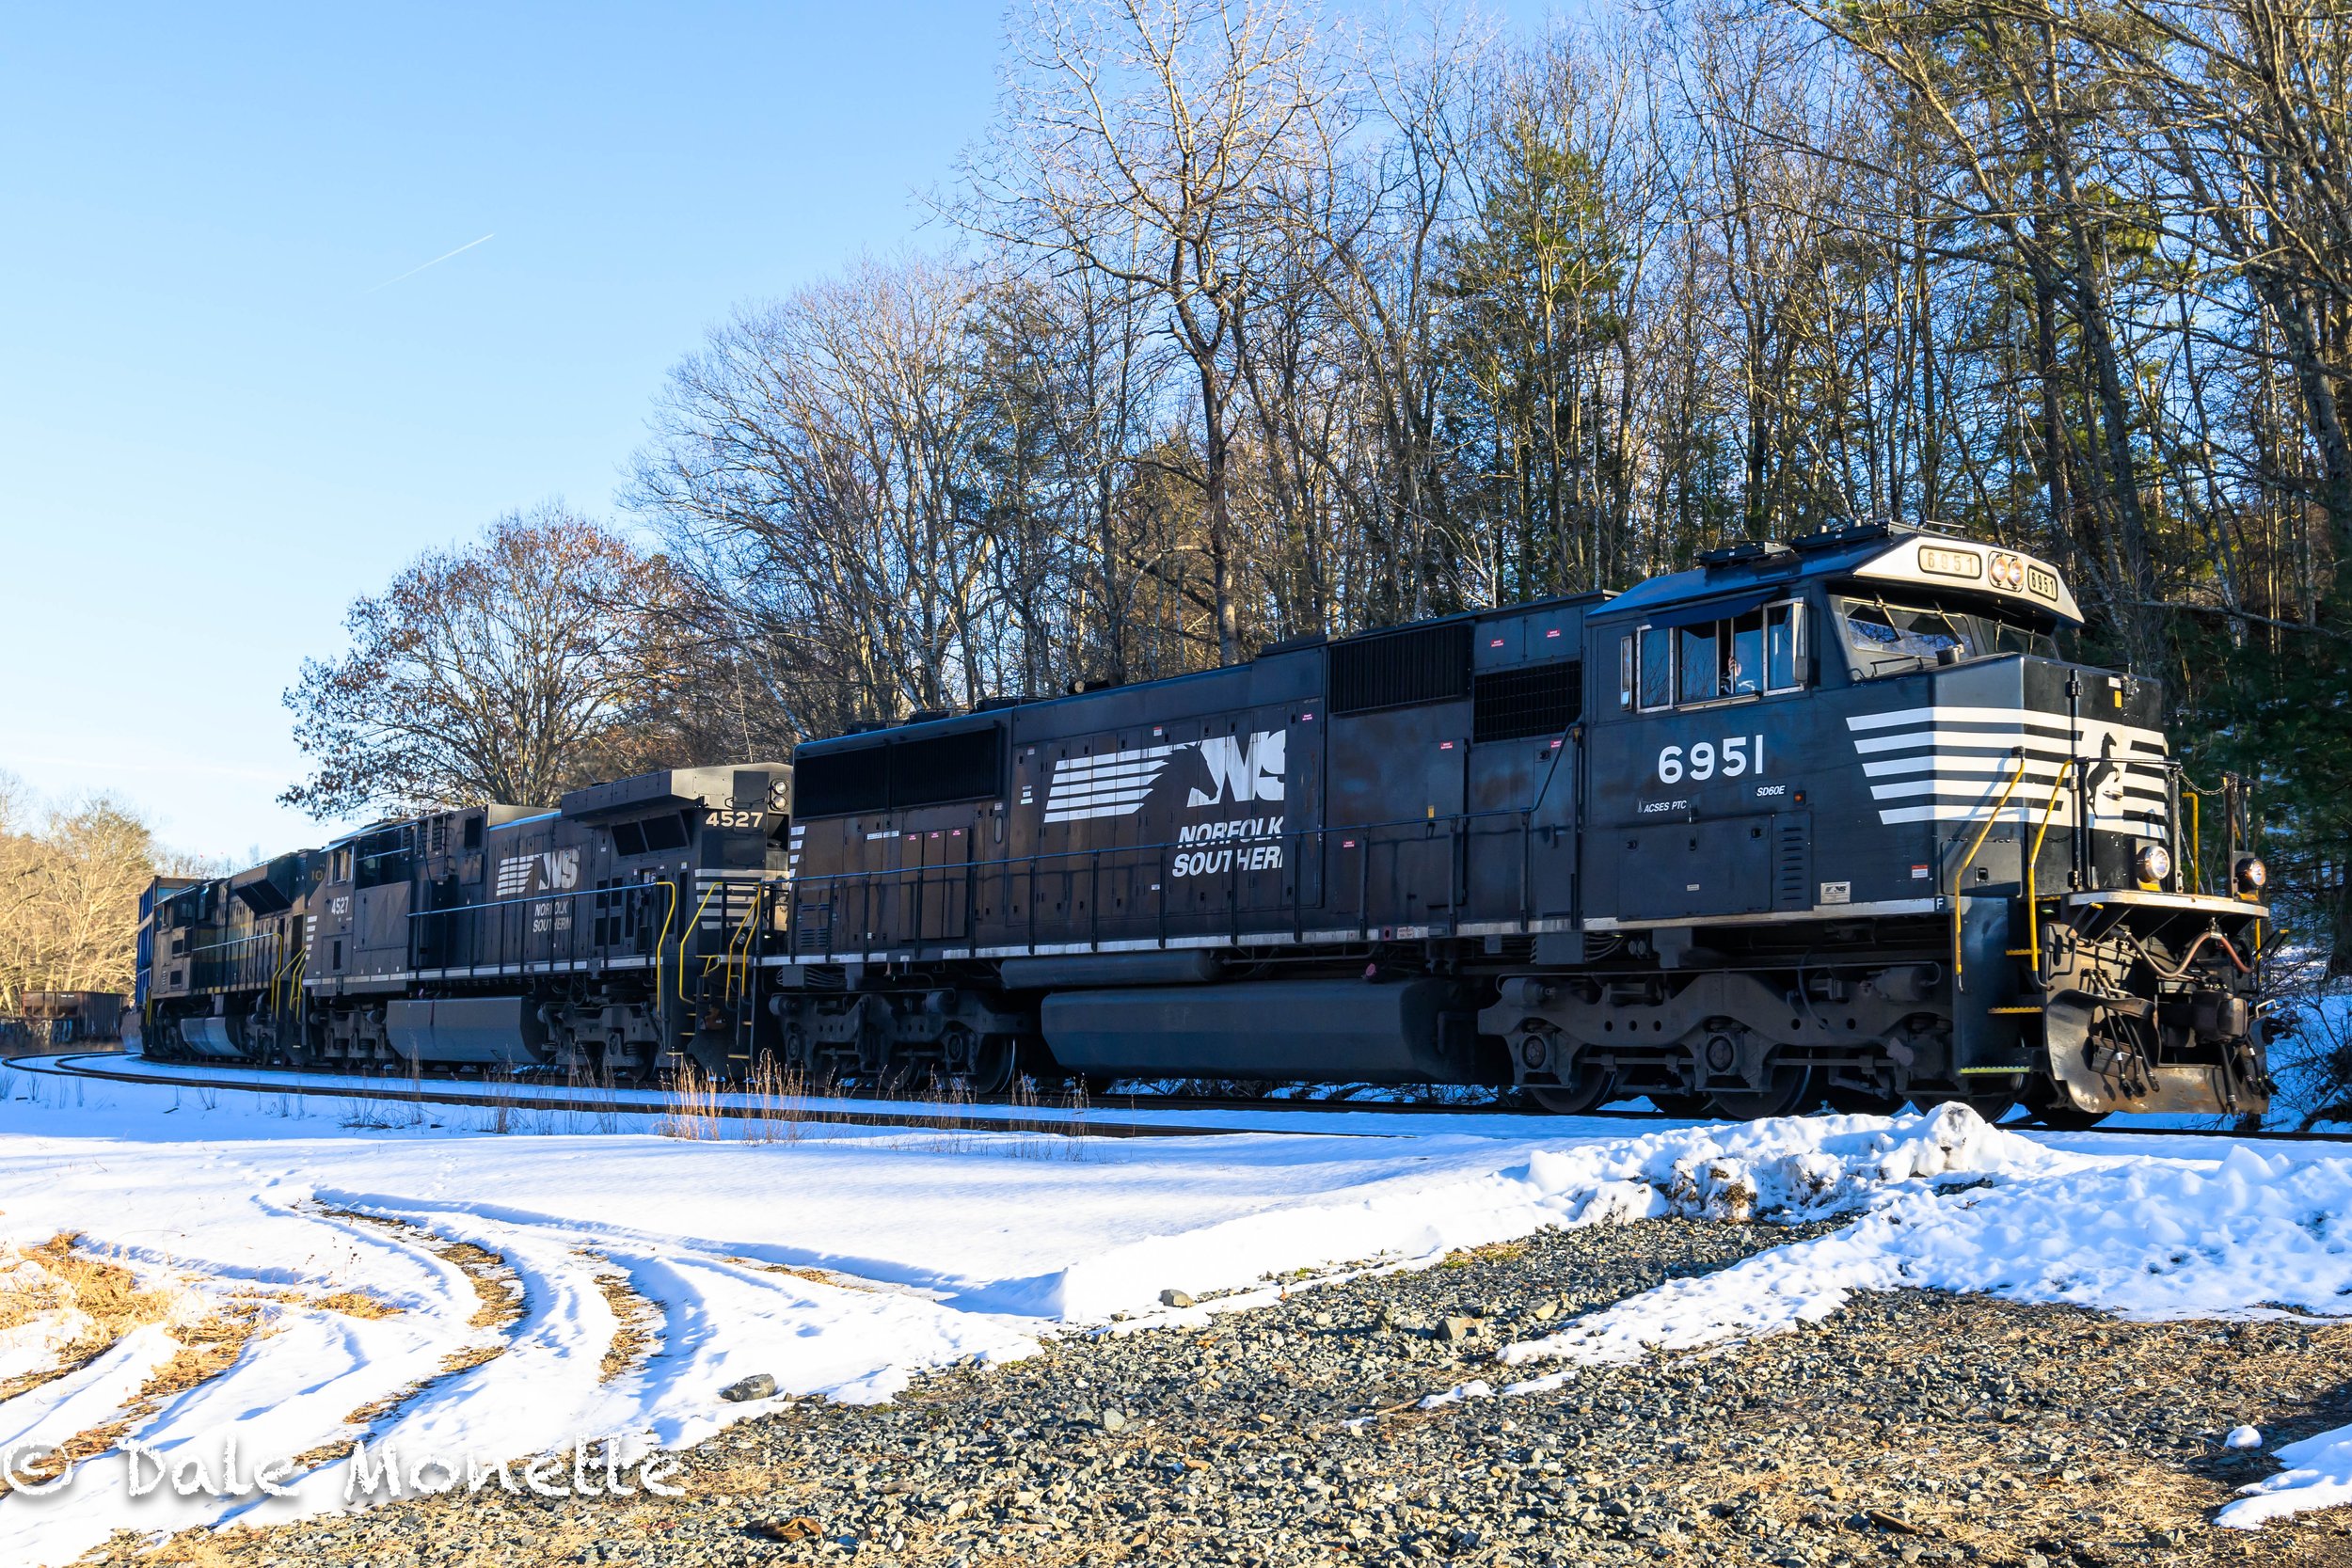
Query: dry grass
1493, 1252
351, 1303
499, 1293
692, 1099
207, 1348
59, 1276
354, 1304
636, 1330
819, 1276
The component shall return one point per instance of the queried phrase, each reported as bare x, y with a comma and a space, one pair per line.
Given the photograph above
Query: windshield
1885, 639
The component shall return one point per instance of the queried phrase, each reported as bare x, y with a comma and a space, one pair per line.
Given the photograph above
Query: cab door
1690, 805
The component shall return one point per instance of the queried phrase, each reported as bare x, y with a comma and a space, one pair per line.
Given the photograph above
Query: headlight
2251, 876
2154, 863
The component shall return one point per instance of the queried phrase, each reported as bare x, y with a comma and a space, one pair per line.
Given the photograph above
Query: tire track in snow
498, 1297
638, 1324
212, 1405
626, 1337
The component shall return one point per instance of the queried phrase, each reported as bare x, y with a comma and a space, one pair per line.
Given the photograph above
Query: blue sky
221, 418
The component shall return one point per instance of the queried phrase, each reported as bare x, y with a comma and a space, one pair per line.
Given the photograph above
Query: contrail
435, 262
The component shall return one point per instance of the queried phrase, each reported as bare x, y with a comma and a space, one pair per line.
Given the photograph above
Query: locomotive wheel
994, 1062
1573, 1100
1791, 1090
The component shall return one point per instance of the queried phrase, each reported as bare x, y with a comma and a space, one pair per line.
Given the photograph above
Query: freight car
611, 933
1828, 818
51, 1019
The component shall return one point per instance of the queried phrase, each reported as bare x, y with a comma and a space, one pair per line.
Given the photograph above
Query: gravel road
1908, 1428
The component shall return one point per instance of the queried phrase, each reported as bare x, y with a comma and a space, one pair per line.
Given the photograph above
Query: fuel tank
1415, 1031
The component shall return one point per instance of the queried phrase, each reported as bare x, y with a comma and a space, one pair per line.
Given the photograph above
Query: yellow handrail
2033, 905
1961, 870
295, 959
688, 935
293, 980
745, 933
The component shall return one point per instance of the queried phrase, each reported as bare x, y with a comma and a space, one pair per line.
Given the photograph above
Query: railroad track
523, 1095
840, 1109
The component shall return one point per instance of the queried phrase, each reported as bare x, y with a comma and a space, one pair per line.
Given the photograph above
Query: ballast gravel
1906, 1428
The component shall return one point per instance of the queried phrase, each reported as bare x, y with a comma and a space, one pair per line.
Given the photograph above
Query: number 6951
1733, 755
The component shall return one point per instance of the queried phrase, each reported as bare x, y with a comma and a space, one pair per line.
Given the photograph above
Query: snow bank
1796, 1168
2144, 1238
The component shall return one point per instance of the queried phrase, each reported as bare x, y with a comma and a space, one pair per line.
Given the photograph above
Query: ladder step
2019, 1010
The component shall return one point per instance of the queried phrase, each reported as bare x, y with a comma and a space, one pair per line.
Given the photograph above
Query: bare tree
813, 469
2250, 104
508, 670
1161, 125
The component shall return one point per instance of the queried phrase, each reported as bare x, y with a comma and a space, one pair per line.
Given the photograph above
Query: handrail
1419, 822
1080, 870
287, 975
669, 914
2195, 843
1961, 870
2033, 862
687, 933
745, 932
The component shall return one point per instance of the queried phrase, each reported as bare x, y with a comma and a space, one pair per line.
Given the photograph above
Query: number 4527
1734, 754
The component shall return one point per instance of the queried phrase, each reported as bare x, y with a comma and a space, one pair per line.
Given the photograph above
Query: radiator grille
1514, 705
1426, 664
885, 775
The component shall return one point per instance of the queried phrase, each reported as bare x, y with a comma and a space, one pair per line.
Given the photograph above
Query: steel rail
432, 1091
1056, 1120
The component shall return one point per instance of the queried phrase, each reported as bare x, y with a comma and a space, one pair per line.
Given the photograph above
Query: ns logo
556, 871
1240, 771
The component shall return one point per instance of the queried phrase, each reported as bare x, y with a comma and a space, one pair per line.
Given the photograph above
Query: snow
2318, 1475
843, 1260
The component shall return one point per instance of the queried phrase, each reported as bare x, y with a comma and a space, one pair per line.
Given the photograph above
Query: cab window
1658, 667
1709, 661
1783, 647
1888, 638
1694, 657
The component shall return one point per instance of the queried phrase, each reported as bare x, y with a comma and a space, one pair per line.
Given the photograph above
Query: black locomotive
1825, 819
605, 935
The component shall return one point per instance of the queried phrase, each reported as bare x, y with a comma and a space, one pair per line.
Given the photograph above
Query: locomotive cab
1853, 826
